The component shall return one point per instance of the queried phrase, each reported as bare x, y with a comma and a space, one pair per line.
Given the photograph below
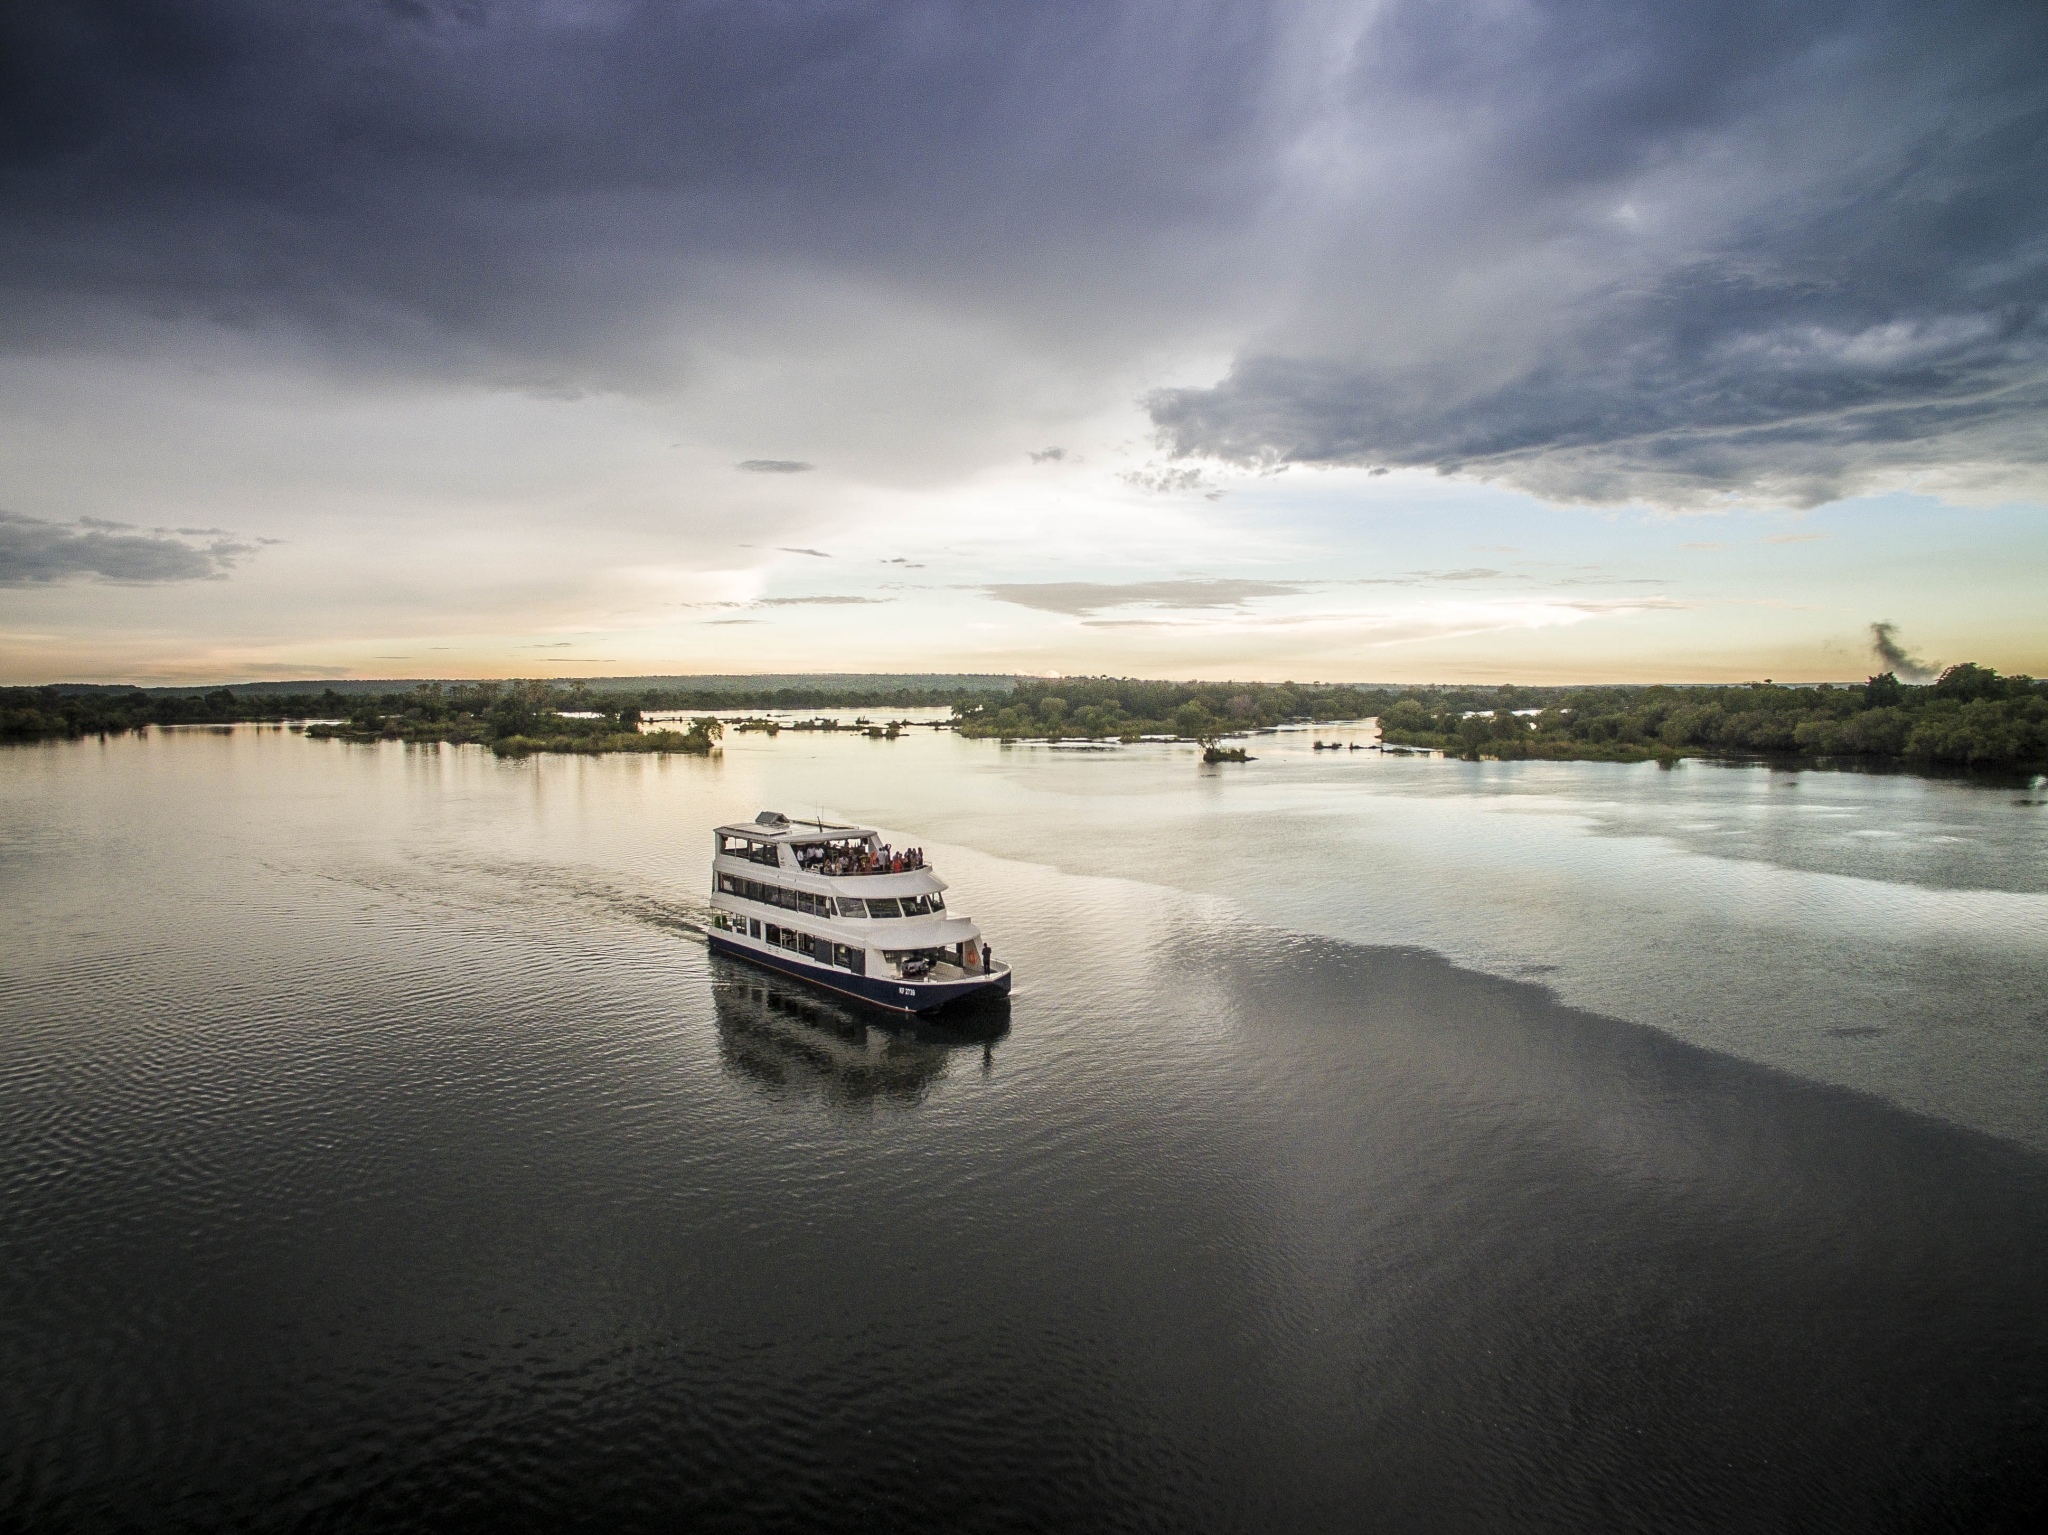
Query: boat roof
774, 826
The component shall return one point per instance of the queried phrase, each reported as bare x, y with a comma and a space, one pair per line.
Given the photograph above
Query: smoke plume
1884, 640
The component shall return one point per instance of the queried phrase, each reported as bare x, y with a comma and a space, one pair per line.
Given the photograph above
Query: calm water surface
1371, 1144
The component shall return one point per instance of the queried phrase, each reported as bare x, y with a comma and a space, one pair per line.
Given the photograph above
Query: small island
511, 718
515, 721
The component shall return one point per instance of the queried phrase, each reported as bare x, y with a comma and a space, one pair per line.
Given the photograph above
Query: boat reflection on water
790, 1040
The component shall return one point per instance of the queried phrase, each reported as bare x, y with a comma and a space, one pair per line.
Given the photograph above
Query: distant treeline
731, 689
28, 714
52, 712
1126, 708
1970, 717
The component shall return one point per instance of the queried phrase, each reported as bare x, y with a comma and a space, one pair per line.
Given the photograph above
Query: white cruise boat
832, 906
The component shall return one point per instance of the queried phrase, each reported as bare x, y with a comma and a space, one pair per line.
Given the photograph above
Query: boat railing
832, 868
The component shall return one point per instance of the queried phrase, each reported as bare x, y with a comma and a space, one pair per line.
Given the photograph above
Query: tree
1968, 682
518, 711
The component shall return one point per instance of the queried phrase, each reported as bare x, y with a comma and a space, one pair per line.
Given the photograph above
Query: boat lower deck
944, 983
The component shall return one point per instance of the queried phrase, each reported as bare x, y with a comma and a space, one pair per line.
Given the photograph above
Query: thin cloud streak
1080, 598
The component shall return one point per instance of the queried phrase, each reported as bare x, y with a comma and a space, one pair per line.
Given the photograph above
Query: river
1370, 1143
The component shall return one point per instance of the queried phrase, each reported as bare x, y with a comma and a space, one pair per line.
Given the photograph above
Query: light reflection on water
1744, 909
378, 1145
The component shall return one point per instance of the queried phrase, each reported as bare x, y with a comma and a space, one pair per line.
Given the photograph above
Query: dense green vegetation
28, 714
1123, 708
429, 711
1971, 717
515, 720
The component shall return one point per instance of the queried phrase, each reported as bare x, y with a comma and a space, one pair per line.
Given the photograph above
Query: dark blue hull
879, 991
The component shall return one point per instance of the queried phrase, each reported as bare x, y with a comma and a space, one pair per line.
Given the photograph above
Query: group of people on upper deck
865, 859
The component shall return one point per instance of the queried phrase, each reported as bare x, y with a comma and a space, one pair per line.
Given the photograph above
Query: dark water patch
1684, 1291
792, 1041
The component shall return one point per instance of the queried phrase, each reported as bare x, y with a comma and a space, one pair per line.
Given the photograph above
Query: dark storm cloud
1081, 598
525, 180
1600, 249
34, 551
1680, 251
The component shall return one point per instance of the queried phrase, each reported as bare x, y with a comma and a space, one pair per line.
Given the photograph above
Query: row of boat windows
823, 950
908, 963
833, 906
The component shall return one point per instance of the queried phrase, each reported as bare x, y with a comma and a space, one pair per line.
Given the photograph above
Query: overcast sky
1422, 339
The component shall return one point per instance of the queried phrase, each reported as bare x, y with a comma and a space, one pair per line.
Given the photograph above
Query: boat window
852, 906
786, 898
729, 883
774, 934
883, 906
748, 848
753, 927
938, 901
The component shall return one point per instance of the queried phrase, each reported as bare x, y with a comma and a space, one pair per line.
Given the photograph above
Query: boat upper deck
822, 849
